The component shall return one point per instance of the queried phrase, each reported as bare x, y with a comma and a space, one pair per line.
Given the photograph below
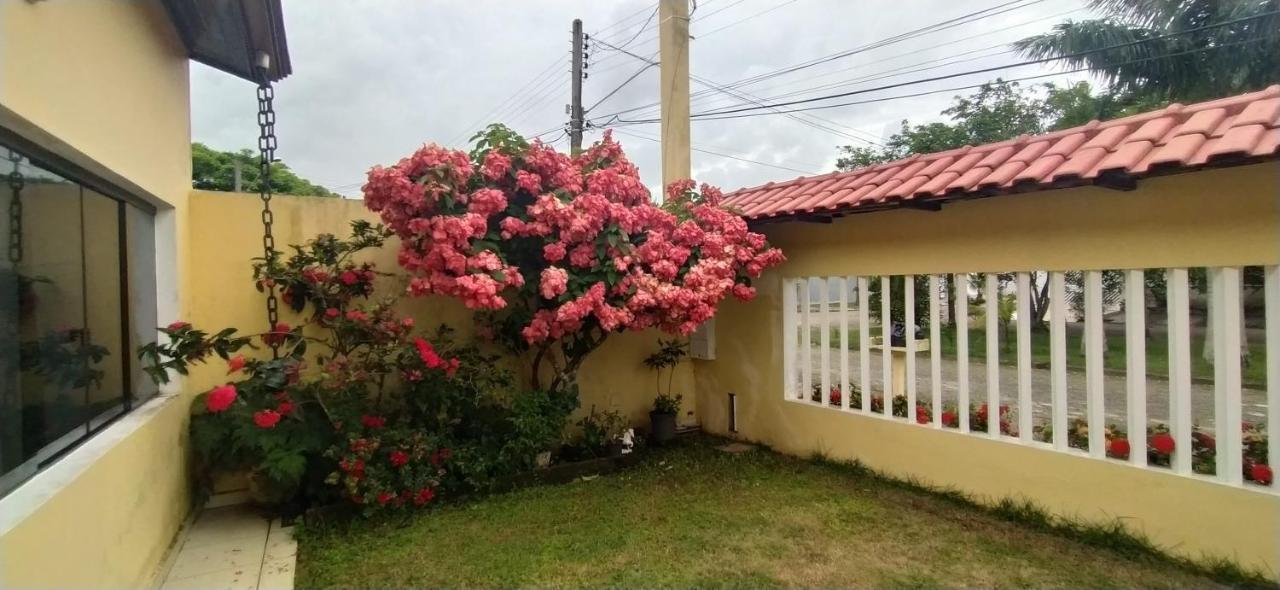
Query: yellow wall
112, 527
228, 233
105, 85
1219, 217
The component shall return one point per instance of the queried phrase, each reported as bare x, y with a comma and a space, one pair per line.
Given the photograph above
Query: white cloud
373, 80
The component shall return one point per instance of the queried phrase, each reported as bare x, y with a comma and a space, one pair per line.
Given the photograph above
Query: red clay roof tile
1175, 137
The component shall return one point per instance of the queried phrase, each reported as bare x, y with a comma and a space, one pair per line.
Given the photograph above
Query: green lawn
1254, 373
694, 517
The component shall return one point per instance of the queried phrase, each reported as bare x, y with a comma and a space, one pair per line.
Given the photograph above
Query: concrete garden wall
1219, 217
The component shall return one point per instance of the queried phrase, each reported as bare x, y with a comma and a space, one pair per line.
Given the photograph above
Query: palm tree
1157, 51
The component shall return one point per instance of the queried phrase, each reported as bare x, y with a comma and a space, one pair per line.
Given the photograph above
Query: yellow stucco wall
105, 85
1222, 217
227, 233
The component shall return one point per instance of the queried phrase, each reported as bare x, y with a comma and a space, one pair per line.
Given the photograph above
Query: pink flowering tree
559, 252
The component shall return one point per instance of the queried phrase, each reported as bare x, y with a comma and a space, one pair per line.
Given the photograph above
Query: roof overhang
230, 35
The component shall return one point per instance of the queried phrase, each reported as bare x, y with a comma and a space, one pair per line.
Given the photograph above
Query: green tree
215, 170
1156, 47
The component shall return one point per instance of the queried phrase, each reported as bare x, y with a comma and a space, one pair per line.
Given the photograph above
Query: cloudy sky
375, 79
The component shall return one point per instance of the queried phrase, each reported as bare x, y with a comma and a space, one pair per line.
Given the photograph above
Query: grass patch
1253, 370
693, 517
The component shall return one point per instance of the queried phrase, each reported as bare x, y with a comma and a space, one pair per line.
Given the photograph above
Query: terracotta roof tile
1175, 137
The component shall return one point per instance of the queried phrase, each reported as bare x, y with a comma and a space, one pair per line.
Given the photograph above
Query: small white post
1093, 367
824, 339
1225, 304
935, 348
1058, 357
991, 292
843, 282
886, 341
1135, 331
789, 329
909, 321
1273, 364
864, 344
806, 341
1025, 406
962, 350
1178, 292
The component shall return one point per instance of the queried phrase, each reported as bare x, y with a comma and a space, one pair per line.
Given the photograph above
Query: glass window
77, 297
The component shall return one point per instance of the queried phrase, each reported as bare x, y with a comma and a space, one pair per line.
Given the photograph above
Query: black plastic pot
662, 427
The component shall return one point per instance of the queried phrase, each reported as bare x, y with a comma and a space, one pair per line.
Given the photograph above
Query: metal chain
267, 155
16, 183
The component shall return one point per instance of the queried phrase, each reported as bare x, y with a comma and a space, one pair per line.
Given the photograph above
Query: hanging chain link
16, 183
267, 155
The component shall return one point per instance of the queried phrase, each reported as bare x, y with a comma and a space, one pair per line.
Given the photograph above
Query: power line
505, 102
742, 20
929, 29
746, 96
642, 70
721, 116
994, 68
722, 155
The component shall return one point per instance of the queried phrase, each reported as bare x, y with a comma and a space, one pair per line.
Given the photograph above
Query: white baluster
1025, 409
991, 292
824, 338
1178, 292
806, 342
962, 350
789, 328
1273, 364
909, 324
1093, 367
843, 283
864, 344
1135, 321
935, 348
1225, 304
1058, 357
886, 341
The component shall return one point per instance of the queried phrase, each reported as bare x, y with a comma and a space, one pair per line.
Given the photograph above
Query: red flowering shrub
562, 251
387, 468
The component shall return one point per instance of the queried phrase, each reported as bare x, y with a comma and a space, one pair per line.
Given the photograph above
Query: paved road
1254, 400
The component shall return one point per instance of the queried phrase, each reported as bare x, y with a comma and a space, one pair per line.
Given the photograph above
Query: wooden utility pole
673, 34
575, 105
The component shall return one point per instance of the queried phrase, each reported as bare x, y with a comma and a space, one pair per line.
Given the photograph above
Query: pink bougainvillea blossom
597, 252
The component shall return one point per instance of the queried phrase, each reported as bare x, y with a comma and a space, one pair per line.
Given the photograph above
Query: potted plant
666, 405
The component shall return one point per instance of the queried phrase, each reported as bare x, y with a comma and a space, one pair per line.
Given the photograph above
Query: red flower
424, 495
266, 418
356, 315
332, 313
178, 325
950, 419
235, 363
1162, 443
452, 368
359, 445
399, 458
1118, 448
385, 497
285, 407
220, 398
440, 456
349, 277
279, 333
922, 415
428, 354
1261, 473
407, 322
373, 421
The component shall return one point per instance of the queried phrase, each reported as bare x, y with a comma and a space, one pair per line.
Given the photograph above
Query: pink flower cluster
595, 249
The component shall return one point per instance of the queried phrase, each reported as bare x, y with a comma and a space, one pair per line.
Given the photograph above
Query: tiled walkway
234, 548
